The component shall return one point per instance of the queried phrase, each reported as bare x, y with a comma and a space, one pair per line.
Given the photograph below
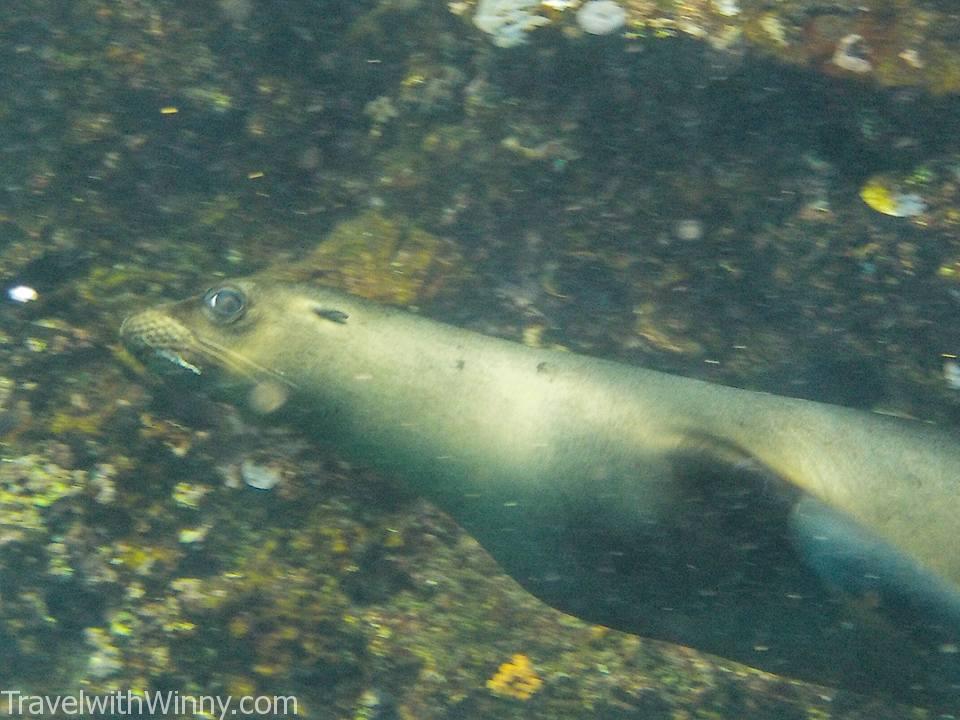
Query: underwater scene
600, 360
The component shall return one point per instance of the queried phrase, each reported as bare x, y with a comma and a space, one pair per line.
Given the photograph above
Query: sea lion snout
153, 334
154, 330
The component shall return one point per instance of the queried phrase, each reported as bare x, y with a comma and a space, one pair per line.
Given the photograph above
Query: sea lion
798, 537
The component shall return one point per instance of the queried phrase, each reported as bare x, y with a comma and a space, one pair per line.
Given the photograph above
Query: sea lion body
528, 447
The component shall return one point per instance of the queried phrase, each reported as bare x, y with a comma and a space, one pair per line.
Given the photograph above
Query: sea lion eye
224, 305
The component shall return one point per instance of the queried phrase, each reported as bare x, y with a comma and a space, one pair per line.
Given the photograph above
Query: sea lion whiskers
232, 360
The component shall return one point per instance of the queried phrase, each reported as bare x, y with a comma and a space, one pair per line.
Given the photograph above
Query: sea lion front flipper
729, 569
883, 586
857, 563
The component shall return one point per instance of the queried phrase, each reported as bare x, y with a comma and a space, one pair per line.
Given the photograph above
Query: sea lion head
250, 338
167, 338
207, 336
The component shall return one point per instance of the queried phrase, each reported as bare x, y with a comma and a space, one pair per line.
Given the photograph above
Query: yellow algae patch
883, 194
516, 679
773, 27
388, 259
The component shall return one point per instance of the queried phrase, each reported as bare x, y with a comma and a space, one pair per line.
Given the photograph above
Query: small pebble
261, 477
689, 229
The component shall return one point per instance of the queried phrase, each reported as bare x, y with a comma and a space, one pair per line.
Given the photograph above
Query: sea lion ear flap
331, 314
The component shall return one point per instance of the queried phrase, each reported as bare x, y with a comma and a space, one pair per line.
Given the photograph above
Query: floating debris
189, 495
851, 55
951, 373
727, 8
601, 17
688, 229
508, 21
22, 294
883, 194
261, 477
